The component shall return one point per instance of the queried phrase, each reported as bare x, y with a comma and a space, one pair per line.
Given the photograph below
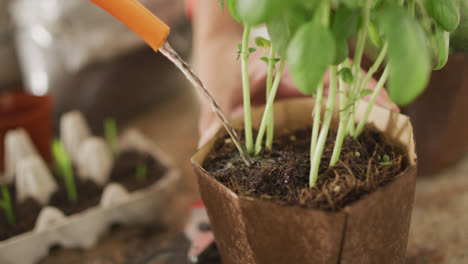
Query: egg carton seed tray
83, 230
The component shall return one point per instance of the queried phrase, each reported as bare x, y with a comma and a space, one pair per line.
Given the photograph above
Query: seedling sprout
110, 130
65, 169
6, 204
141, 172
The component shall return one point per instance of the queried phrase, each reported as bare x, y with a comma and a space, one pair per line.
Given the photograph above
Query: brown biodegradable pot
439, 117
33, 113
371, 230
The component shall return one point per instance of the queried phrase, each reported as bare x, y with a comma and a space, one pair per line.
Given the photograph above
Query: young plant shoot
6, 205
313, 37
141, 172
65, 169
110, 130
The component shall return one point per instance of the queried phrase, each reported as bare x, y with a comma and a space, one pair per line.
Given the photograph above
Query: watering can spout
139, 19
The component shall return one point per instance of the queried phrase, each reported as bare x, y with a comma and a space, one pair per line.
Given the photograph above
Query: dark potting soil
282, 174
26, 214
125, 170
89, 195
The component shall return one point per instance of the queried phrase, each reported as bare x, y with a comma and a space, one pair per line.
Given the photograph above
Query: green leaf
221, 5
283, 28
252, 50
345, 24
444, 12
255, 12
408, 55
262, 42
385, 158
265, 59
374, 35
346, 75
310, 53
365, 93
442, 38
459, 38
232, 7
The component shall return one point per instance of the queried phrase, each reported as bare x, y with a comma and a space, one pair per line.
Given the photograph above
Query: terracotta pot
371, 230
439, 117
33, 113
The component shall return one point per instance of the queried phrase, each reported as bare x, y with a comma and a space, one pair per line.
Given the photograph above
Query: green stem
375, 67
360, 45
317, 118
344, 116
315, 159
71, 187
268, 108
270, 123
65, 169
110, 130
7, 207
372, 101
141, 172
246, 91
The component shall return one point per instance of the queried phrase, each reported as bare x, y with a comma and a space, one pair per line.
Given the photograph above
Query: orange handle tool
139, 19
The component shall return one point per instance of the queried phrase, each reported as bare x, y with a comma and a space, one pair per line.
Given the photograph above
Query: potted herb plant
336, 187
439, 114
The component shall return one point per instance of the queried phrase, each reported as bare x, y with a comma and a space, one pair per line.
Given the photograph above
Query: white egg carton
83, 230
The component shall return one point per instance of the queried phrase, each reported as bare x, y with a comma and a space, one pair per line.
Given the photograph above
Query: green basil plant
411, 36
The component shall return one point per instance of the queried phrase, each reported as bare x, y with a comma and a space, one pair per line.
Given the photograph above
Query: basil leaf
444, 12
221, 5
345, 24
262, 42
232, 7
254, 12
346, 75
408, 55
283, 28
442, 38
309, 54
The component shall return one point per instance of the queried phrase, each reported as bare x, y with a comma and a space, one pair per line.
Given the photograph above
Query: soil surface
89, 195
26, 214
282, 174
125, 170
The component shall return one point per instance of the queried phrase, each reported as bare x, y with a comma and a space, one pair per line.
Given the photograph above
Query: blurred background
84, 59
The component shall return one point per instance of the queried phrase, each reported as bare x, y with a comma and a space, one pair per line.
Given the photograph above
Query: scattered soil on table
26, 214
282, 175
89, 195
124, 171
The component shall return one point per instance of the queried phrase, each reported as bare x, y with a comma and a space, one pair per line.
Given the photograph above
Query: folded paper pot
371, 230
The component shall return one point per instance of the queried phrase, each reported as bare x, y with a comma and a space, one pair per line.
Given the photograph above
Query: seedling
110, 130
141, 172
6, 204
65, 169
313, 37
